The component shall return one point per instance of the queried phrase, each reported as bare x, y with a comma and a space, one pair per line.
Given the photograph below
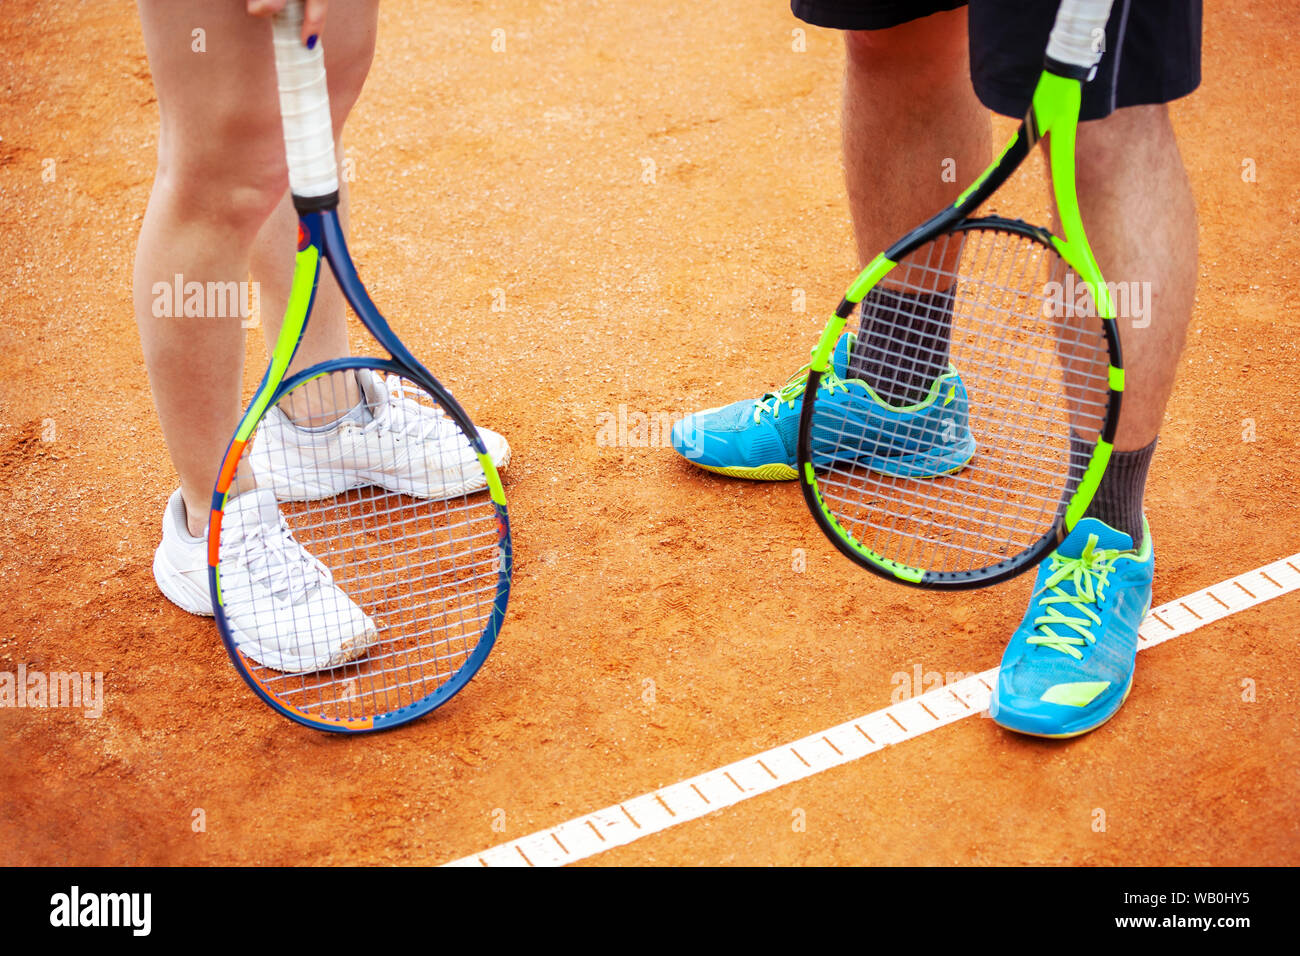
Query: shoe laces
770, 403
1076, 583
405, 417
274, 558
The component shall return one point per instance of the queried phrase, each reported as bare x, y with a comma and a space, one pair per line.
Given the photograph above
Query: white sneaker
180, 565
408, 446
281, 604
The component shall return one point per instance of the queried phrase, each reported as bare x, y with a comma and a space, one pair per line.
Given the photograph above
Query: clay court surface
526, 171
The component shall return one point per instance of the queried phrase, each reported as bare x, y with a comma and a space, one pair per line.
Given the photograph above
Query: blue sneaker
1069, 665
758, 439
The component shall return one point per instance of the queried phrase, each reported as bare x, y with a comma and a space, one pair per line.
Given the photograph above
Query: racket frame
320, 241
1054, 109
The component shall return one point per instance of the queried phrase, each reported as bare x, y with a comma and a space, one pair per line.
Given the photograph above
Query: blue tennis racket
359, 546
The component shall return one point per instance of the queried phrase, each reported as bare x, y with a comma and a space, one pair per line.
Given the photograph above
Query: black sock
1118, 501
903, 343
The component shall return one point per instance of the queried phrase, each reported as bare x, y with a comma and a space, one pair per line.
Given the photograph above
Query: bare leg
220, 173
1138, 209
908, 107
914, 137
1140, 216
220, 176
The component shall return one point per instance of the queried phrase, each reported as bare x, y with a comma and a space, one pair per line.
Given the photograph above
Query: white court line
709, 792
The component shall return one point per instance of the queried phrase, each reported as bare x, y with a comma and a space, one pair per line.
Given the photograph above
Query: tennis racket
957, 430
358, 546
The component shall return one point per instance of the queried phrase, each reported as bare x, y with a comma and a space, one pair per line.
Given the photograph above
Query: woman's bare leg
220, 177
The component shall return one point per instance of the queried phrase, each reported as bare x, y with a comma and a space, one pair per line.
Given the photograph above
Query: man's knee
921, 48
1135, 137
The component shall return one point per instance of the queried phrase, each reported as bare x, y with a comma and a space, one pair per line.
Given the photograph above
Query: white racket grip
1078, 36
304, 107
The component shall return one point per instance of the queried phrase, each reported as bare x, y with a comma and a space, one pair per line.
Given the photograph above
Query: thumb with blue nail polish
313, 21
313, 16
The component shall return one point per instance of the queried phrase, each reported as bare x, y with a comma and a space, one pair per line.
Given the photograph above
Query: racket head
416, 575
1037, 387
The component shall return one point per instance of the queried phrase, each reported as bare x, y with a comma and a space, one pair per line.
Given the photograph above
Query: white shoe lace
275, 559
405, 417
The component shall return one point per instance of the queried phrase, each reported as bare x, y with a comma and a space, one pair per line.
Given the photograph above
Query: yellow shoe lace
770, 403
1089, 574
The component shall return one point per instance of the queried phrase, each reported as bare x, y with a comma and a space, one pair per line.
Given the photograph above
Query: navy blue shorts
1153, 47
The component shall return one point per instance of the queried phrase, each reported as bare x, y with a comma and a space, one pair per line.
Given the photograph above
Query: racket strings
389, 503
1031, 390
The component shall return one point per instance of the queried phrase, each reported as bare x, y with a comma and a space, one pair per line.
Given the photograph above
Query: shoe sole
907, 468
350, 650
1073, 733
178, 589
928, 464
775, 472
350, 481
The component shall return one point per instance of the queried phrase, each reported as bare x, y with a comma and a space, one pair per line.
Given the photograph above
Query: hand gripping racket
957, 431
358, 547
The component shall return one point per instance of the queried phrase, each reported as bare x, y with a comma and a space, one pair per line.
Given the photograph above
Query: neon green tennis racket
957, 430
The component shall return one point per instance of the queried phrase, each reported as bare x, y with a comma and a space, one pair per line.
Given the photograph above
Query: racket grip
304, 107
1079, 32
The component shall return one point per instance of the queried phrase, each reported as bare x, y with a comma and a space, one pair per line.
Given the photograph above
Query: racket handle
304, 108
1077, 36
